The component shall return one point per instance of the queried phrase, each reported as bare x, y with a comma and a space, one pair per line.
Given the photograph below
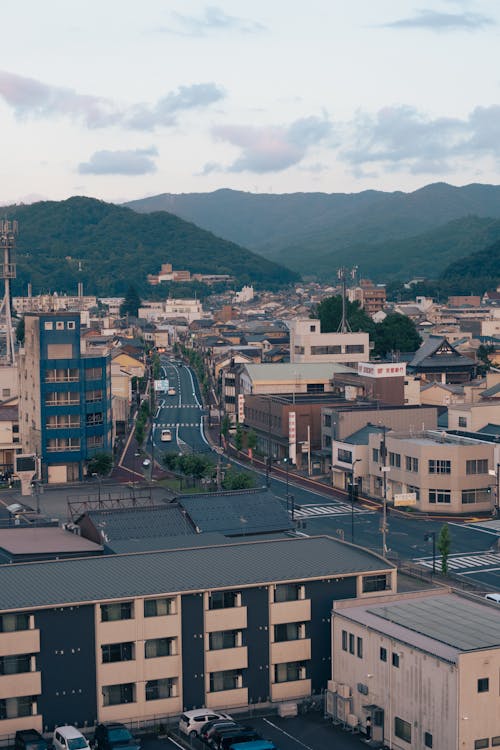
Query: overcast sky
119, 99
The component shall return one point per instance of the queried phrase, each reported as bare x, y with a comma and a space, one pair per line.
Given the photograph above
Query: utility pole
427, 537
342, 275
385, 469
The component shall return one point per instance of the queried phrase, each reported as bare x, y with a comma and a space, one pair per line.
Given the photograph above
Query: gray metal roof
295, 372
238, 513
361, 437
158, 543
454, 621
141, 523
233, 565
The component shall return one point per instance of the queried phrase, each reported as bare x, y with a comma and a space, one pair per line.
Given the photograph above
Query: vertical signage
241, 408
292, 436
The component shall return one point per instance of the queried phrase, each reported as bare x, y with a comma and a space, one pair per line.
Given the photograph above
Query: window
480, 495
158, 689
383, 654
117, 652
48, 325
315, 388
159, 607
327, 420
17, 664
427, 739
62, 421
71, 325
159, 647
5, 392
345, 456
477, 466
416, 490
354, 349
62, 375
224, 639
95, 441
92, 396
59, 325
290, 631
93, 373
63, 445
483, 685
375, 583
344, 640
116, 611
94, 418
411, 463
59, 351
395, 659
312, 329
395, 460
359, 647
64, 398
439, 466
462, 421
288, 592
231, 679
318, 350
299, 349
375, 455
289, 671
11, 623
12, 708
351, 643
478, 744
224, 599
114, 695
495, 741
439, 496
402, 729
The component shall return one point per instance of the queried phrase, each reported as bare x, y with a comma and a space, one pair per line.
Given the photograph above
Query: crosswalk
464, 562
182, 406
333, 509
176, 424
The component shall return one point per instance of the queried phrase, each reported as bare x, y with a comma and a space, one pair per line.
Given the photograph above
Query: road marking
339, 509
461, 562
287, 734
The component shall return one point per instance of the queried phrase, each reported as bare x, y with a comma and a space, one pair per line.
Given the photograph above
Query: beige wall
349, 421
29, 388
476, 416
306, 333
478, 714
17, 685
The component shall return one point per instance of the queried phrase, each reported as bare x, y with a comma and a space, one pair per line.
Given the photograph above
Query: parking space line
290, 736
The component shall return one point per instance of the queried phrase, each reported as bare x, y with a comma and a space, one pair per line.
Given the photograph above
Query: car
171, 391
29, 739
113, 736
166, 436
146, 462
69, 738
210, 727
191, 722
493, 598
254, 745
223, 739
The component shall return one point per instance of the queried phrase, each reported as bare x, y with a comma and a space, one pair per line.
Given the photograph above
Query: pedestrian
368, 727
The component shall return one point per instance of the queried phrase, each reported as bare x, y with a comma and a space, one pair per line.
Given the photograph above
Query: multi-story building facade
423, 667
147, 635
446, 473
308, 344
64, 396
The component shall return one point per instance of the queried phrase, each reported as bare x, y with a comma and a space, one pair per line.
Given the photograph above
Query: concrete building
134, 637
339, 422
190, 309
371, 297
9, 436
445, 473
285, 377
422, 669
64, 396
308, 344
473, 417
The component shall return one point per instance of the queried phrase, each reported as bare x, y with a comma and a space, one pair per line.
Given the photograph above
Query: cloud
212, 19
31, 98
134, 162
434, 20
272, 148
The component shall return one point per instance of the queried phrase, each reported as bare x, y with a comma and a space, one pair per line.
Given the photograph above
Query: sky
121, 100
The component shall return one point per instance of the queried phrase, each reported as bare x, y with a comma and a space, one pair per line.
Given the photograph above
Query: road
316, 512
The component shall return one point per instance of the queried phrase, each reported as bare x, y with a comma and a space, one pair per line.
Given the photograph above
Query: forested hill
475, 273
117, 246
316, 232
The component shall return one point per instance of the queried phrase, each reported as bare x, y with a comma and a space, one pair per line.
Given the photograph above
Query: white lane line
472, 527
479, 572
287, 734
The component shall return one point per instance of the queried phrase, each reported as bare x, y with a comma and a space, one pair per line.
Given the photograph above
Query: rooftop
44, 540
235, 565
295, 372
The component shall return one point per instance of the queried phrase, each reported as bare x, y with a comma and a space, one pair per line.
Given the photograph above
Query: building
379, 381
419, 666
9, 436
64, 396
308, 344
444, 473
134, 637
285, 377
190, 309
371, 297
438, 360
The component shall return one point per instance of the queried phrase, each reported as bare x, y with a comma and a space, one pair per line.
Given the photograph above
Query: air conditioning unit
331, 686
352, 721
287, 710
344, 691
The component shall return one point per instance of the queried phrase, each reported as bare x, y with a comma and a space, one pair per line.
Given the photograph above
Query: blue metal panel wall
193, 652
256, 639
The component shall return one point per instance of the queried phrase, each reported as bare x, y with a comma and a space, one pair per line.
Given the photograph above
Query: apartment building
308, 344
419, 667
444, 473
138, 636
371, 297
64, 396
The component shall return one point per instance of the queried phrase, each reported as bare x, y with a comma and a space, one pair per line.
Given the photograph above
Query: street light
496, 473
97, 476
384, 469
351, 492
286, 461
427, 537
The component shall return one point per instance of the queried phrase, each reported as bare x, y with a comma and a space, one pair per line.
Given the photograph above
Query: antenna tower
342, 275
8, 232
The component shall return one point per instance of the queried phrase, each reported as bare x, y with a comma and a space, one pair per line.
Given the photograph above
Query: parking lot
309, 732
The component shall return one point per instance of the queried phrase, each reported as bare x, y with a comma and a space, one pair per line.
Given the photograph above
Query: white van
69, 738
166, 436
493, 598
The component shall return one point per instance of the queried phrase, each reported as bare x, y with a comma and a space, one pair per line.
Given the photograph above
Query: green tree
396, 333
139, 432
131, 303
251, 438
171, 461
444, 545
238, 438
194, 465
156, 366
100, 463
237, 480
329, 311
225, 425
20, 328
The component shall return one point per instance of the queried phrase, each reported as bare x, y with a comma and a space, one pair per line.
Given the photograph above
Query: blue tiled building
64, 396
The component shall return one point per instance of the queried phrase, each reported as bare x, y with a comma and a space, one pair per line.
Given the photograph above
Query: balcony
11, 726
283, 691
286, 651
227, 698
117, 631
223, 659
118, 672
230, 618
164, 626
20, 642
162, 666
298, 610
26, 683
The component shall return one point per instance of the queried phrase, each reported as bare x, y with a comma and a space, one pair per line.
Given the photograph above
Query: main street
473, 547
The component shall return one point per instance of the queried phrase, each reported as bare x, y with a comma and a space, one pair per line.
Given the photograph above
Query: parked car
146, 462
113, 736
69, 738
166, 436
255, 745
493, 598
29, 739
223, 739
191, 722
171, 391
210, 727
